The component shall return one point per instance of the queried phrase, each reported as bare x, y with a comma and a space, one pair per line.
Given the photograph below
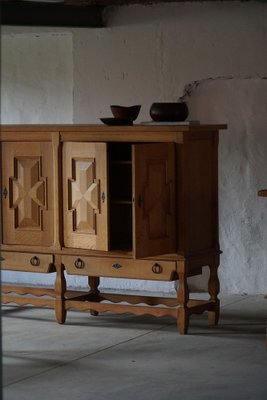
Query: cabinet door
27, 193
154, 199
85, 195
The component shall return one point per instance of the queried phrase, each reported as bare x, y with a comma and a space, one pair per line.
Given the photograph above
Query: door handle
5, 193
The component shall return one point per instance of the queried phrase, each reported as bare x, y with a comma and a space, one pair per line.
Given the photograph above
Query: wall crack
190, 87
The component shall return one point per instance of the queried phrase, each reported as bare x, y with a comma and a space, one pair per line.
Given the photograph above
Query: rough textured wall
242, 104
215, 54
151, 53
36, 76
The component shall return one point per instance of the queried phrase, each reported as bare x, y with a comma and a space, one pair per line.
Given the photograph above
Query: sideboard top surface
83, 132
106, 128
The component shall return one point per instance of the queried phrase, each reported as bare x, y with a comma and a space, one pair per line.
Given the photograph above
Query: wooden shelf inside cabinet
121, 162
130, 202
122, 202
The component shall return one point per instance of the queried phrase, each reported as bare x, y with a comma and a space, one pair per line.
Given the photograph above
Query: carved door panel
154, 218
27, 193
85, 195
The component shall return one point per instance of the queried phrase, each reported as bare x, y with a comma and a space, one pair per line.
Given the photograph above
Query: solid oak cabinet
137, 202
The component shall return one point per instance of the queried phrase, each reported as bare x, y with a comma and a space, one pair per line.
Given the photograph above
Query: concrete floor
115, 357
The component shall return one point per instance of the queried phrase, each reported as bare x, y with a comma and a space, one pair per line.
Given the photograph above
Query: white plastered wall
217, 53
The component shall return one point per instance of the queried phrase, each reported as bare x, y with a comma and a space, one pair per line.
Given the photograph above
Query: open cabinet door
154, 221
85, 195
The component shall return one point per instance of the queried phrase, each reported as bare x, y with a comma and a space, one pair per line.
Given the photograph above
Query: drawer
120, 268
27, 262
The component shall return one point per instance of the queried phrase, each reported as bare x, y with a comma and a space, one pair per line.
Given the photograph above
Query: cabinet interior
120, 194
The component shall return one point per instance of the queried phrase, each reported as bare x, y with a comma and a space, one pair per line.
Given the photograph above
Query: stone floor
115, 357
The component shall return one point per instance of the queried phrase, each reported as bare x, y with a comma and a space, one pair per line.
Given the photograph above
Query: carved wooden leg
183, 297
60, 289
93, 282
214, 288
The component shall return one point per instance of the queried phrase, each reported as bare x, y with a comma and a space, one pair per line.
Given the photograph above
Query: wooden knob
35, 261
157, 269
116, 266
79, 263
262, 192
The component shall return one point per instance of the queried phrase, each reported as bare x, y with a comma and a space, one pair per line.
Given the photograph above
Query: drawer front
120, 268
27, 262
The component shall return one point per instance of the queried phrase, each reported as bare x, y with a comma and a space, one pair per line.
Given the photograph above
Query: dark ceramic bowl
168, 112
116, 121
129, 113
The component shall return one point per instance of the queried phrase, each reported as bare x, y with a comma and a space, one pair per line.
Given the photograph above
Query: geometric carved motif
84, 199
157, 199
28, 193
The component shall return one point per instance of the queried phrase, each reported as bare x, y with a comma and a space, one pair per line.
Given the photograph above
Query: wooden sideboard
132, 202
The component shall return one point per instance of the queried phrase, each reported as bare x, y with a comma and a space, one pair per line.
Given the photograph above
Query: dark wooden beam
72, 13
30, 13
142, 2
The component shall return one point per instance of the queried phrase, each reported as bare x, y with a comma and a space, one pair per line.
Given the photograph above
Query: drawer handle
79, 263
116, 266
157, 269
35, 261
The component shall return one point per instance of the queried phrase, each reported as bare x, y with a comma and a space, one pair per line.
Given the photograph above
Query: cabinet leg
60, 289
183, 297
93, 282
214, 288
182, 321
